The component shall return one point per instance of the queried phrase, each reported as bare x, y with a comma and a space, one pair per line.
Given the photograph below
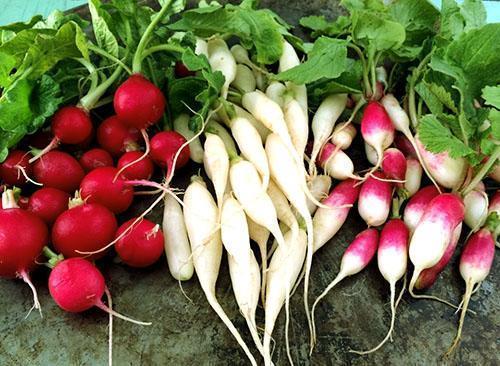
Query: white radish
244, 79
181, 125
240, 54
217, 129
371, 154
201, 47
201, 218
261, 129
323, 122
288, 60
260, 235
413, 176
336, 163
297, 124
276, 91
221, 59
476, 209
243, 267
216, 163
343, 135
177, 248
319, 187
283, 210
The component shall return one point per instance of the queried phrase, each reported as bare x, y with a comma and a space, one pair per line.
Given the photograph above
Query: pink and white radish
323, 122
23, 237
216, 163
394, 165
343, 135
413, 176
392, 259
416, 206
319, 187
221, 59
336, 163
402, 143
475, 264
201, 216
243, 267
476, 208
181, 125
283, 272
177, 248
244, 80
356, 257
374, 202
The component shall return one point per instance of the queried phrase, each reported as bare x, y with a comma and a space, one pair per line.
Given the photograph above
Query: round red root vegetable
59, 170
142, 169
116, 138
48, 203
10, 169
95, 158
71, 125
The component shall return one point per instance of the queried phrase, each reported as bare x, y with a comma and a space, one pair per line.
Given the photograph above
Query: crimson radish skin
48, 203
116, 138
71, 125
10, 169
59, 170
394, 165
164, 147
141, 245
413, 176
336, 163
95, 158
142, 169
475, 265
355, 258
392, 259
375, 200
83, 228
402, 143
416, 206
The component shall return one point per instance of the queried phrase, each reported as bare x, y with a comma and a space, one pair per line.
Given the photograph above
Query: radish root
468, 293
36, 304
110, 337
110, 311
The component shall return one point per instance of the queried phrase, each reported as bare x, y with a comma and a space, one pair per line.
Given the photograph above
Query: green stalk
94, 77
483, 171
162, 47
366, 81
103, 53
412, 108
89, 101
395, 208
138, 56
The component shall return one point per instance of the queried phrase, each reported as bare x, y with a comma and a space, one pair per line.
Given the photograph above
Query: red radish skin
416, 206
95, 158
181, 71
141, 169
22, 202
84, 228
48, 203
100, 186
404, 145
10, 169
57, 169
374, 202
356, 257
116, 138
164, 147
394, 165
71, 125
138, 102
23, 237
475, 265
142, 245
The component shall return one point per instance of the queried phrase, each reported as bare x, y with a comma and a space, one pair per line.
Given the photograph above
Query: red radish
413, 176
116, 138
70, 125
327, 221
83, 228
475, 265
77, 285
181, 71
377, 129
141, 245
416, 206
394, 165
165, 146
22, 202
392, 257
15, 168
59, 170
141, 169
102, 186
402, 143
434, 232
95, 158
356, 257
23, 236
138, 102
335, 162
48, 203
374, 202
430, 275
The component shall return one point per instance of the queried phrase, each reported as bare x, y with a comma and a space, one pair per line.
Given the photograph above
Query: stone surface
187, 332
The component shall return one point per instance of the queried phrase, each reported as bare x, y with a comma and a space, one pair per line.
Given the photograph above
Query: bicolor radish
336, 163
355, 258
24, 235
394, 165
221, 59
244, 80
177, 248
375, 201
243, 267
216, 163
416, 206
95, 158
343, 135
319, 186
475, 264
201, 216
413, 176
402, 143
181, 126
392, 260
323, 123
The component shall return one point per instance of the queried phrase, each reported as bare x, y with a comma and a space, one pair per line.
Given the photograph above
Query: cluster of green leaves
459, 84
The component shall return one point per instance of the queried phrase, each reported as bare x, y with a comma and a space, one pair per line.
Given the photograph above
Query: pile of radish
274, 168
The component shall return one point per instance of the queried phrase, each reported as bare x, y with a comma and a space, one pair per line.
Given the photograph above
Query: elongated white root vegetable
374, 203
476, 209
319, 187
181, 125
250, 144
216, 163
247, 187
244, 79
243, 267
284, 269
283, 210
217, 129
177, 248
323, 122
201, 218
413, 176
276, 91
297, 124
261, 129
260, 235
343, 134
336, 163
288, 60
371, 154
221, 59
